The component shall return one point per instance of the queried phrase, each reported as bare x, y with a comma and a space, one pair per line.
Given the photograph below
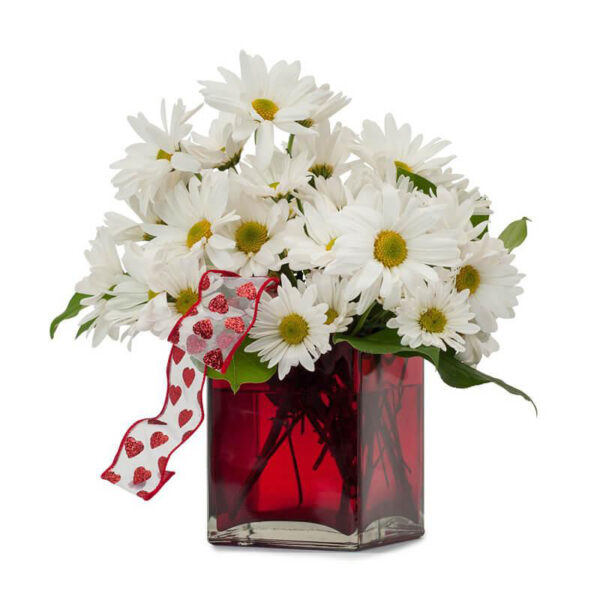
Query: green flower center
390, 248
266, 108
186, 299
402, 165
308, 123
324, 170
250, 236
332, 315
293, 329
199, 230
274, 185
433, 320
468, 278
151, 294
161, 154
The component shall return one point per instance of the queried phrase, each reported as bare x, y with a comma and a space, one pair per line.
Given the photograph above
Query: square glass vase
331, 459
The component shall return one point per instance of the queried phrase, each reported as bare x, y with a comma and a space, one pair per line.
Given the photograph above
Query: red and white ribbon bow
210, 332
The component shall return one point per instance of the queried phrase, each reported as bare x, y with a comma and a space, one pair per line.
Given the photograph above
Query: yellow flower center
402, 165
468, 279
186, 299
324, 170
390, 248
161, 154
433, 320
330, 244
332, 315
151, 294
293, 329
274, 185
250, 236
266, 108
199, 230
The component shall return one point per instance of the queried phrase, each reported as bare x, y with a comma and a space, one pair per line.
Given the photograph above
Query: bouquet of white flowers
374, 239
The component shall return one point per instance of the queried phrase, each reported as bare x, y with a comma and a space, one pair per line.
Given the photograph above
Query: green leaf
477, 219
83, 328
386, 341
457, 374
452, 371
430, 353
245, 367
514, 234
73, 309
419, 182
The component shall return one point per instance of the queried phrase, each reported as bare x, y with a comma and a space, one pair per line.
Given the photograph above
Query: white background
512, 501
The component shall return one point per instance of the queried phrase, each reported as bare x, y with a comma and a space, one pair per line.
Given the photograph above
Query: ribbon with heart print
210, 332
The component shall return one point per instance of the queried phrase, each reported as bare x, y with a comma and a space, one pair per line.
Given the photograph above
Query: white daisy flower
331, 291
193, 218
105, 268
482, 203
147, 166
175, 283
436, 315
260, 235
312, 235
282, 176
363, 175
486, 273
98, 324
262, 99
476, 346
123, 228
377, 147
333, 190
326, 108
457, 214
389, 238
131, 294
105, 273
290, 329
445, 177
329, 150
218, 150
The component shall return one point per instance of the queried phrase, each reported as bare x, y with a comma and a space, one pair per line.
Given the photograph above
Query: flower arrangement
375, 241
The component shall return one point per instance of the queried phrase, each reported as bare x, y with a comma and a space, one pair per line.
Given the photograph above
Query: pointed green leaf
245, 367
83, 328
477, 219
429, 353
73, 309
514, 234
457, 374
419, 182
451, 370
386, 341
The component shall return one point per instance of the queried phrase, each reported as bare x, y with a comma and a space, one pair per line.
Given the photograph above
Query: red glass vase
329, 459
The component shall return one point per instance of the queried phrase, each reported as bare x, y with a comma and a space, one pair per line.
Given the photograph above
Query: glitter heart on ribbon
205, 335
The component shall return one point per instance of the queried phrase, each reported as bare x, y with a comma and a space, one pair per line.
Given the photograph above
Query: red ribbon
210, 333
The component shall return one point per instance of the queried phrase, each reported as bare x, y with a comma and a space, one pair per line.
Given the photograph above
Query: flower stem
285, 270
290, 143
361, 322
